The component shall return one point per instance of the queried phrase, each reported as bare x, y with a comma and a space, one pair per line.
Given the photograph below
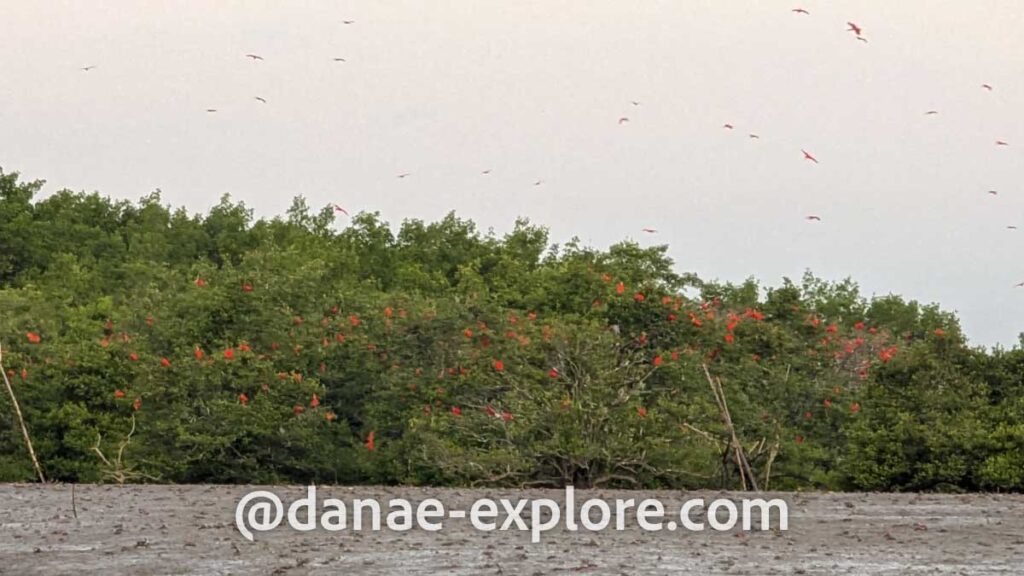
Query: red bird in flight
807, 156
853, 28
338, 208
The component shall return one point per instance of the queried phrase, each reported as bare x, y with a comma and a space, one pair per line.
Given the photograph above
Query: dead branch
21, 419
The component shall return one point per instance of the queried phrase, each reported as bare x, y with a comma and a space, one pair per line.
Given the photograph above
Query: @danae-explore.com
262, 511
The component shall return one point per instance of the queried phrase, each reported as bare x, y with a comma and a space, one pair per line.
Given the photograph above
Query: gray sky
533, 90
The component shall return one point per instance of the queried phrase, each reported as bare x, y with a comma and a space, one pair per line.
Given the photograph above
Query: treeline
146, 344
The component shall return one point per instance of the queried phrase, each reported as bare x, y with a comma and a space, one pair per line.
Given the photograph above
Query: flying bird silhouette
338, 208
862, 39
1011, 227
403, 175
87, 68
538, 182
650, 230
987, 87
754, 136
931, 112
800, 11
727, 126
814, 218
634, 102
488, 171
339, 60
211, 110
853, 28
1021, 285
993, 192
808, 156
254, 57
1002, 143
260, 99
623, 120
348, 21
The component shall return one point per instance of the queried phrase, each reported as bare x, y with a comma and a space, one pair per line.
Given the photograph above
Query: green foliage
148, 344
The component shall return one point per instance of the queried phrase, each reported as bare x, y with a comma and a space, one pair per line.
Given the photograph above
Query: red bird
853, 28
338, 208
814, 218
370, 444
807, 156
33, 337
800, 11
1002, 143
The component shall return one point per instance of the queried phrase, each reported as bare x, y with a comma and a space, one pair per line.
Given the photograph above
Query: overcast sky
533, 90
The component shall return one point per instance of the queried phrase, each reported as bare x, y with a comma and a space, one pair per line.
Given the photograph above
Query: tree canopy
145, 343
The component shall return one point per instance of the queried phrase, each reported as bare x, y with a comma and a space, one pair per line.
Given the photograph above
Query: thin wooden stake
746, 474
21, 420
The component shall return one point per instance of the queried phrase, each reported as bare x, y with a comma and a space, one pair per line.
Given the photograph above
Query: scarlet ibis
808, 156
853, 28
338, 208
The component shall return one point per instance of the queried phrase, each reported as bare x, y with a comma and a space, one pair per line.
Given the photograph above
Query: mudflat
158, 529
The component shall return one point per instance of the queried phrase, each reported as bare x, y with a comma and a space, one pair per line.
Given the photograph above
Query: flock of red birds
852, 27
